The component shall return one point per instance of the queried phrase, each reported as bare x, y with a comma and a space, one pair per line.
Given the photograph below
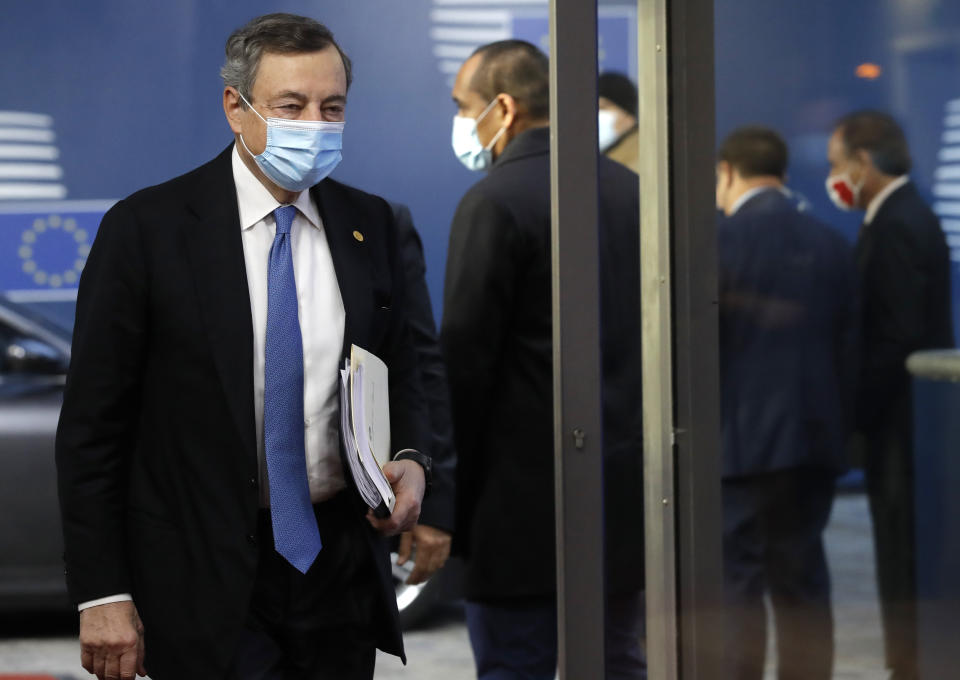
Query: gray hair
280, 33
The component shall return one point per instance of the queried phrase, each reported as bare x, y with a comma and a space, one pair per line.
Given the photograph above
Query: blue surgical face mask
299, 153
466, 142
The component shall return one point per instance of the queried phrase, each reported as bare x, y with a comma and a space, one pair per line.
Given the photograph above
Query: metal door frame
578, 440
696, 374
680, 358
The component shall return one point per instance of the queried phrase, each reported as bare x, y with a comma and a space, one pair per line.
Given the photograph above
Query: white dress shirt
874, 207
321, 325
322, 316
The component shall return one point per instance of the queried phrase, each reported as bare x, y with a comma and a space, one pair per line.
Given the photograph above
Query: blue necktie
295, 533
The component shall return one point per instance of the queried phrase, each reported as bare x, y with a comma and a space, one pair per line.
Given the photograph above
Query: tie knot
284, 217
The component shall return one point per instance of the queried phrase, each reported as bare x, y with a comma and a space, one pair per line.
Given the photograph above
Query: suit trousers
318, 625
518, 640
888, 468
773, 544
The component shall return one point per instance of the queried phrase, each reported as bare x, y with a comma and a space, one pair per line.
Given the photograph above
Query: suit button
253, 482
251, 539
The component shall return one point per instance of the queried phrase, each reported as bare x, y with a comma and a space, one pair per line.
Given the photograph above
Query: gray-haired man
211, 530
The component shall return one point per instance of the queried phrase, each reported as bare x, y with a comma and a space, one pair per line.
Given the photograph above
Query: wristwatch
423, 461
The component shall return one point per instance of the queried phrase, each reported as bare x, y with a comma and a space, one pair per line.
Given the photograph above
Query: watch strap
423, 461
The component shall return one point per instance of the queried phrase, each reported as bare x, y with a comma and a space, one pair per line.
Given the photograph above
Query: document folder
365, 427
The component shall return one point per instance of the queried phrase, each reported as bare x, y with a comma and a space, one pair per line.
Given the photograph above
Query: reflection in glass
801, 70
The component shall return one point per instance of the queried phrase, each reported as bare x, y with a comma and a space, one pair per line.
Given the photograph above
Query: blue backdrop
100, 98
128, 94
795, 66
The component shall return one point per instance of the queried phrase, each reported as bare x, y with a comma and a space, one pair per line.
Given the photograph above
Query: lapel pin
357, 235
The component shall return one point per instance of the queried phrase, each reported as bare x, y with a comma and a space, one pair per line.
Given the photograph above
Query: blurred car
34, 356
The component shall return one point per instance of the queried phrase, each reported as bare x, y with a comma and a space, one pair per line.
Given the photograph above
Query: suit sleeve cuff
122, 597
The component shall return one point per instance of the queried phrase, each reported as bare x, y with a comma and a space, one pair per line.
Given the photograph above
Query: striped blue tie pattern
295, 532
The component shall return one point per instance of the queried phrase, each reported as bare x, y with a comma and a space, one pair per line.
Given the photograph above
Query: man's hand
111, 641
408, 483
432, 550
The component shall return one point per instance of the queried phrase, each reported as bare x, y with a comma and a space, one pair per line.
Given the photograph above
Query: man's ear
863, 157
507, 108
232, 108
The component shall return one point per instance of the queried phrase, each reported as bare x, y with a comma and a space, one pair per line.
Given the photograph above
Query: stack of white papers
365, 427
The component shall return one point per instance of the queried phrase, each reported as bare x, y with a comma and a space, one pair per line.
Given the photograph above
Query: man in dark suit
496, 336
429, 541
903, 266
211, 530
787, 358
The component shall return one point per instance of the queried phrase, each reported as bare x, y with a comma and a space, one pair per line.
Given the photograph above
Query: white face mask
843, 192
607, 124
466, 142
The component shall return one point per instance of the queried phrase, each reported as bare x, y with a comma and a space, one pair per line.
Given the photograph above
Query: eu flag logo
43, 249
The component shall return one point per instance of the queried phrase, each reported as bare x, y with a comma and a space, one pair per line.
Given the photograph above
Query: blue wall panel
793, 66
131, 93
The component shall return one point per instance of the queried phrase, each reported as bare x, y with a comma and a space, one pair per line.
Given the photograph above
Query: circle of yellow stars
29, 239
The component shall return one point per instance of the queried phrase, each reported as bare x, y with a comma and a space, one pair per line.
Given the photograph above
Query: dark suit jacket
904, 268
437, 509
497, 339
156, 451
787, 339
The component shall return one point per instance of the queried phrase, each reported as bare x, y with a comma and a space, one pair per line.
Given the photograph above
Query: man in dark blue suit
429, 541
787, 339
903, 269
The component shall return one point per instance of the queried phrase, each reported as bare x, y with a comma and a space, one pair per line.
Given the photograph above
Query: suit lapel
215, 250
350, 260
867, 234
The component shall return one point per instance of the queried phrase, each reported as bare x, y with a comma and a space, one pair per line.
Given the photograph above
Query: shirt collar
255, 202
874, 207
747, 195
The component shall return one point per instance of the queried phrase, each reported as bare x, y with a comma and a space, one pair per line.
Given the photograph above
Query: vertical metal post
657, 341
696, 344
680, 348
576, 339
